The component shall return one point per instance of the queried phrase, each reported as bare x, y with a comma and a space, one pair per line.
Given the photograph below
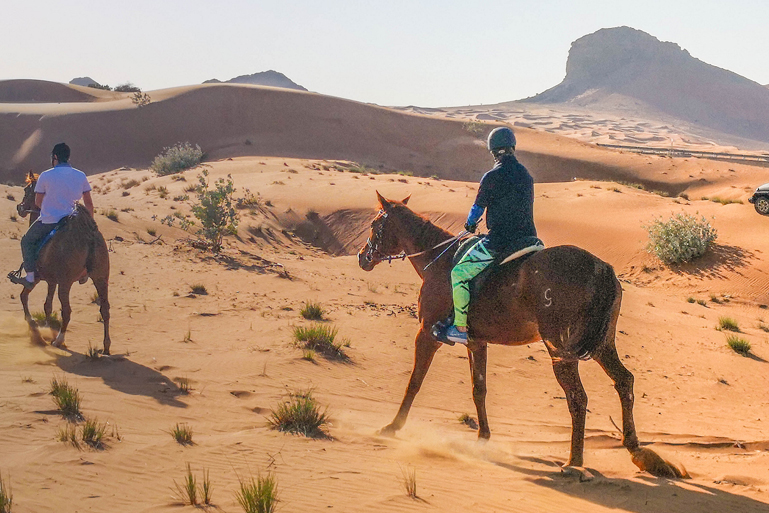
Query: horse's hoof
388, 431
649, 461
582, 473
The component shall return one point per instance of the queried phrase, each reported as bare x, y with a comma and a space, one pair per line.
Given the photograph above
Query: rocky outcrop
266, 78
660, 76
84, 81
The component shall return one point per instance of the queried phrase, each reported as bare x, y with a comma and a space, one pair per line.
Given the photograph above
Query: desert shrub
184, 223
199, 289
476, 128
92, 433
320, 338
141, 99
152, 232
182, 433
300, 414
111, 215
728, 324
681, 238
104, 87
6, 496
68, 433
130, 183
128, 87
66, 397
163, 192
188, 490
54, 322
249, 200
215, 209
258, 496
312, 311
738, 344
177, 158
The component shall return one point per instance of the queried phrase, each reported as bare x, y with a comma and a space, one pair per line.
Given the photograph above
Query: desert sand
697, 402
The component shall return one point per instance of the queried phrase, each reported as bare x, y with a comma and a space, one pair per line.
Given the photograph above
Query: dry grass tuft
6, 495
182, 433
409, 480
728, 324
300, 414
312, 311
66, 397
738, 345
188, 490
321, 338
258, 495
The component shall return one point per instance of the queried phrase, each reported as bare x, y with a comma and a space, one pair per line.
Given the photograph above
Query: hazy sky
390, 52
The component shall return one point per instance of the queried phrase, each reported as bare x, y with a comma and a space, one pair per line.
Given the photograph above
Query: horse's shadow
117, 372
644, 494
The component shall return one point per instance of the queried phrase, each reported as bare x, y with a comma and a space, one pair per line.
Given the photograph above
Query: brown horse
563, 296
74, 250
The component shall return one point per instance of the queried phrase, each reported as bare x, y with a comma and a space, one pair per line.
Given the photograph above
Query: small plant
320, 338
177, 158
111, 214
6, 495
476, 128
215, 209
66, 397
715, 299
312, 311
13, 218
162, 192
130, 183
409, 481
728, 324
690, 299
205, 488
188, 335
249, 201
181, 197
199, 289
738, 344
309, 355
141, 99
371, 286
92, 353
53, 322
182, 433
762, 326
184, 385
681, 238
300, 414
10, 197
702, 302
92, 433
152, 232
68, 433
188, 490
190, 188
258, 496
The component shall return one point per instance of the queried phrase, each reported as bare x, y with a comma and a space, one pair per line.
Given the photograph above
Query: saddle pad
522, 247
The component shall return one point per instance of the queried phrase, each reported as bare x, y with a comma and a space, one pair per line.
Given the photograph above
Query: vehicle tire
762, 205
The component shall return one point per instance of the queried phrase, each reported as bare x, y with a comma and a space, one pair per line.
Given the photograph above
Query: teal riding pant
478, 258
30, 243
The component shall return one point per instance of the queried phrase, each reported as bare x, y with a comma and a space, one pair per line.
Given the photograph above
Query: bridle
374, 255
20, 206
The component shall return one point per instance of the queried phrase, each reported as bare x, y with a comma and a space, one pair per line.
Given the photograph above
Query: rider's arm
88, 202
473, 217
39, 199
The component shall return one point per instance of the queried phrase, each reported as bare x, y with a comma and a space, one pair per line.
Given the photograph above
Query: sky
432, 53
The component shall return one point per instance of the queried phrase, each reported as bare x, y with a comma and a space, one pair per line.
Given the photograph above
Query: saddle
517, 252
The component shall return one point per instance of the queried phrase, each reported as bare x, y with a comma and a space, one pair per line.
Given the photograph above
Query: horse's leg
24, 296
48, 306
66, 312
477, 357
102, 286
567, 374
424, 351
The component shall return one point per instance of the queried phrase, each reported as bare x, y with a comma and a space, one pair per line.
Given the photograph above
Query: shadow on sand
117, 372
642, 494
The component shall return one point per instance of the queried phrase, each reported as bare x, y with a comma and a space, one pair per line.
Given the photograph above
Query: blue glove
473, 217
471, 227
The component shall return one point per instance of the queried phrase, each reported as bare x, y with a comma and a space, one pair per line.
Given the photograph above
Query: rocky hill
627, 68
84, 81
266, 78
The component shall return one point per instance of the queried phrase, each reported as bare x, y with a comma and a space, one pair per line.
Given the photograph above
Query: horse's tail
599, 311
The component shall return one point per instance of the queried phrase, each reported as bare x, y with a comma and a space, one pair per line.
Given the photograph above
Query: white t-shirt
63, 186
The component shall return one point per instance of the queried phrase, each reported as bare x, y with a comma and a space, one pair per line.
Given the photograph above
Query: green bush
681, 238
321, 338
738, 345
177, 158
312, 311
215, 209
300, 415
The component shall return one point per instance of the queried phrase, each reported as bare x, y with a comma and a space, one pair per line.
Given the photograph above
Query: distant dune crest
625, 66
266, 78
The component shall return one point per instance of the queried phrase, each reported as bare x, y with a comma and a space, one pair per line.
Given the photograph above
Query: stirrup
15, 277
440, 329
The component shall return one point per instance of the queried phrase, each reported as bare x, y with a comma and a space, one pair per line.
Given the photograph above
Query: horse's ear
406, 199
382, 201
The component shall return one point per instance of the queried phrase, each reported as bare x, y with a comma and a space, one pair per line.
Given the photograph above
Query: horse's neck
420, 236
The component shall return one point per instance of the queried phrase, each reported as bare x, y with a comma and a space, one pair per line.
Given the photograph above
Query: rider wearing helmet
56, 192
507, 193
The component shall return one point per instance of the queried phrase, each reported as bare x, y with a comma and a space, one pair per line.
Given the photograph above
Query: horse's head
382, 240
27, 204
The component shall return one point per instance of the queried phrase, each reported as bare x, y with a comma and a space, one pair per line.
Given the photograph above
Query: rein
403, 255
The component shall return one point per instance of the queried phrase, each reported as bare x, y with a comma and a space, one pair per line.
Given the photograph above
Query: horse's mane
419, 227
31, 178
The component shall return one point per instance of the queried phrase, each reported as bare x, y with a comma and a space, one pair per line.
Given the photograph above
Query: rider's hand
471, 227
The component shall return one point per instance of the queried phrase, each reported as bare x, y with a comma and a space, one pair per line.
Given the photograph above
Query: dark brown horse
74, 250
563, 296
